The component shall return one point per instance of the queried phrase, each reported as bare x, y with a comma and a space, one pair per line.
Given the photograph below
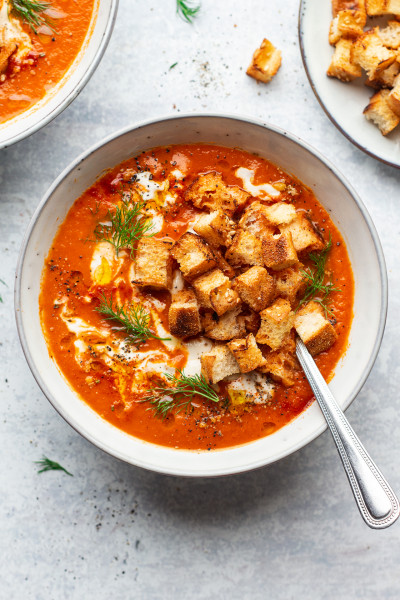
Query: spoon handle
378, 505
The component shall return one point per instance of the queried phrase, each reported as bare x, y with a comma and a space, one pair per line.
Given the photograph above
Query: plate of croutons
351, 53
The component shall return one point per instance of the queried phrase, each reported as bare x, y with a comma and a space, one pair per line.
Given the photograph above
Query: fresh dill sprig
31, 12
318, 289
127, 225
178, 393
186, 10
134, 319
46, 464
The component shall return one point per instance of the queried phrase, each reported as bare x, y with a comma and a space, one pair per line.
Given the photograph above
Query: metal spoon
378, 504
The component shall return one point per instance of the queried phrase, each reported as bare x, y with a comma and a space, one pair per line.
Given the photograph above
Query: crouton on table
153, 265
245, 250
278, 251
379, 111
304, 236
218, 364
193, 254
265, 63
215, 227
230, 325
210, 191
314, 329
369, 53
276, 322
342, 66
255, 287
183, 315
247, 353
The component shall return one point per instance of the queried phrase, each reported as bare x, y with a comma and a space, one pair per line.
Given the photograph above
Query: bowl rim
313, 86
86, 154
63, 104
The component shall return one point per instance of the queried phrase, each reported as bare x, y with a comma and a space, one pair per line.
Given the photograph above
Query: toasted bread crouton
276, 322
183, 314
153, 265
385, 78
224, 298
224, 328
281, 364
393, 7
279, 213
379, 112
205, 284
342, 67
247, 353
382, 7
218, 364
193, 254
252, 321
393, 98
314, 329
370, 54
356, 6
254, 220
210, 191
344, 25
223, 264
245, 250
216, 227
291, 283
279, 251
304, 236
255, 287
390, 35
265, 63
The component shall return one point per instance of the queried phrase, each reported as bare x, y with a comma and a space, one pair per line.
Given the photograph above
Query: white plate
343, 102
73, 81
294, 156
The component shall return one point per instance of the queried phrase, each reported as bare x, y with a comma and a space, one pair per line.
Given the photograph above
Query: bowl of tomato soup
48, 53
159, 292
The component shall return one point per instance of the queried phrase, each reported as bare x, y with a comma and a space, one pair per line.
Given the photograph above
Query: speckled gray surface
290, 531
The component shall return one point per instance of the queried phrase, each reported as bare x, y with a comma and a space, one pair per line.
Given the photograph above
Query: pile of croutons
243, 278
374, 51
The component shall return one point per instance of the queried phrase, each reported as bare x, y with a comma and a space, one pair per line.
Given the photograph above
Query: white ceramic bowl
294, 156
343, 102
73, 81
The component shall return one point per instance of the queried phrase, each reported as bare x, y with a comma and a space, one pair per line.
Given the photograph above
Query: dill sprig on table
178, 393
46, 464
186, 10
31, 12
318, 289
4, 283
134, 319
127, 226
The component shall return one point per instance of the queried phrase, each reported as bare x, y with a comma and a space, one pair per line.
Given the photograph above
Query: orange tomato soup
24, 82
89, 348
